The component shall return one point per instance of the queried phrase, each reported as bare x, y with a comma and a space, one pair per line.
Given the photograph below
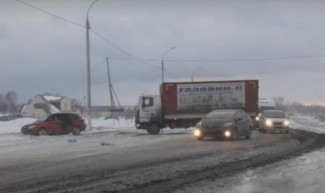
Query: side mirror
143, 104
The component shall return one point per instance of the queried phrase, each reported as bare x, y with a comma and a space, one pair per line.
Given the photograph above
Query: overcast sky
280, 43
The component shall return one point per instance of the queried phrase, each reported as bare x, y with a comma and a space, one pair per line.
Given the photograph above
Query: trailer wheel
172, 125
153, 129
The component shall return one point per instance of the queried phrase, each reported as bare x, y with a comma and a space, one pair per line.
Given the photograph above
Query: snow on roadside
102, 124
307, 123
99, 124
14, 126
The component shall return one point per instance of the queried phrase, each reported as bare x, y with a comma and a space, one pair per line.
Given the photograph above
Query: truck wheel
172, 125
154, 129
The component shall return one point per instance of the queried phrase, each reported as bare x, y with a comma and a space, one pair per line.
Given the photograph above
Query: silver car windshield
274, 114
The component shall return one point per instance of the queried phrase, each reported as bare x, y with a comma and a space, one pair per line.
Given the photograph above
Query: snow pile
112, 123
100, 124
307, 123
14, 126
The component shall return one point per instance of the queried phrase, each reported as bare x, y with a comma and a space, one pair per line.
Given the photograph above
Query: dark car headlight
31, 126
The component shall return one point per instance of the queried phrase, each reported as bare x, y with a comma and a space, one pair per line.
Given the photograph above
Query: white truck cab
148, 112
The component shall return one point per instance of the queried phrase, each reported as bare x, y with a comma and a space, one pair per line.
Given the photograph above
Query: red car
56, 124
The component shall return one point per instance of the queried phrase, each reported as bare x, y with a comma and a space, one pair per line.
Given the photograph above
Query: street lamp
88, 68
196, 70
162, 63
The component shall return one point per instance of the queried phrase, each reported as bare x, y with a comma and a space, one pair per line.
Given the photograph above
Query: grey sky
39, 53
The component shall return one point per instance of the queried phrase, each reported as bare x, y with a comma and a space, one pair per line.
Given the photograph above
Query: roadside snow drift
14, 126
98, 124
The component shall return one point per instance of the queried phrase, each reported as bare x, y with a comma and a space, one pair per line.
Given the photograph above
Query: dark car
225, 123
56, 124
274, 120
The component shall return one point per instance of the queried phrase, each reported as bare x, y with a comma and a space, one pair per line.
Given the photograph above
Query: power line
157, 60
224, 60
126, 53
51, 14
96, 33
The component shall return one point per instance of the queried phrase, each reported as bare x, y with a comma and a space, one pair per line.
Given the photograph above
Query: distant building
101, 111
40, 106
108, 111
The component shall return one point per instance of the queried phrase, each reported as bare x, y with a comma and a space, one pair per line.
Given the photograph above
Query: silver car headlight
197, 133
268, 123
286, 123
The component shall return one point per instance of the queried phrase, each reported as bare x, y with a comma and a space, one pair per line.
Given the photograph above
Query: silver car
224, 123
274, 120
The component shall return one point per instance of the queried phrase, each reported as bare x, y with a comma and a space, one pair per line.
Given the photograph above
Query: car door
53, 124
239, 123
66, 124
247, 122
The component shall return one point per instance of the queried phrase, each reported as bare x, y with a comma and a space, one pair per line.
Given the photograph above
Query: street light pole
162, 63
198, 69
88, 68
162, 82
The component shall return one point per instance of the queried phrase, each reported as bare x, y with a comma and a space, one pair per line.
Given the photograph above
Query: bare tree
11, 100
3, 104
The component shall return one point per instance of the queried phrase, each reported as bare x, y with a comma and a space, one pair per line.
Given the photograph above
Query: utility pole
110, 85
162, 83
162, 63
196, 70
88, 68
88, 76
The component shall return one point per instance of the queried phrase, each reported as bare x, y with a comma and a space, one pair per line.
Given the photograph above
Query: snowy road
134, 162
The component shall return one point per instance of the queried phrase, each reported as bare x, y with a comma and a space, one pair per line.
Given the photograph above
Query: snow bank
100, 124
14, 126
307, 123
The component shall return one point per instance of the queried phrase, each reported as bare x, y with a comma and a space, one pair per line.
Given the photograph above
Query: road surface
137, 162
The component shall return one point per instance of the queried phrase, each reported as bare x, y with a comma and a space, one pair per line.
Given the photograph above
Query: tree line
8, 103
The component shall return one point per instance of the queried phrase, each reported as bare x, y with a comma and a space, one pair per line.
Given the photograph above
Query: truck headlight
257, 118
286, 123
197, 133
268, 123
